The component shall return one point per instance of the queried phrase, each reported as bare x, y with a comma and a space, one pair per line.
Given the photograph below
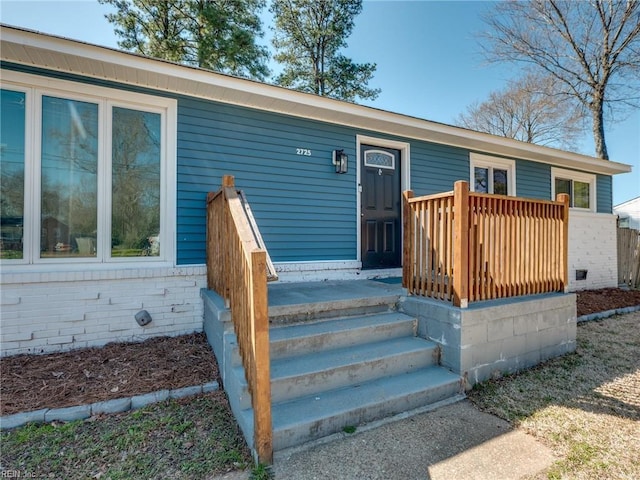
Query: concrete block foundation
497, 337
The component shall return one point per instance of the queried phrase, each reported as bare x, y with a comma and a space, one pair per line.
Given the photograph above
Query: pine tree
218, 35
308, 37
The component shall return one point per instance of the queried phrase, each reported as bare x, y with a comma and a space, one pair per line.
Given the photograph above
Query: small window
492, 175
481, 179
379, 159
579, 186
500, 181
578, 191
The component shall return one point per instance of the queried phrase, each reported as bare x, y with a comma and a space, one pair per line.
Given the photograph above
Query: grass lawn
585, 406
191, 438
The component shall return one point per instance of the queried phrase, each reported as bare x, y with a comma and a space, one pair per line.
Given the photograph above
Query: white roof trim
70, 56
627, 202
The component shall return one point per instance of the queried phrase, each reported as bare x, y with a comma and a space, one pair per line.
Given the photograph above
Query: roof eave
70, 56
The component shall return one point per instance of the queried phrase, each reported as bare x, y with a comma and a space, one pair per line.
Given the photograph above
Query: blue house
122, 151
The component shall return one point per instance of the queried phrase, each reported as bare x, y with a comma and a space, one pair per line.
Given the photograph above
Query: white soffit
70, 56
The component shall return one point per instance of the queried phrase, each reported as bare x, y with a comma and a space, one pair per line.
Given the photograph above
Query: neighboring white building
628, 213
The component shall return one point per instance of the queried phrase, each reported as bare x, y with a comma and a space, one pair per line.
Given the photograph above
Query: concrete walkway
453, 442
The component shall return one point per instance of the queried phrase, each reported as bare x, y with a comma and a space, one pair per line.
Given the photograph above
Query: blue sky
428, 60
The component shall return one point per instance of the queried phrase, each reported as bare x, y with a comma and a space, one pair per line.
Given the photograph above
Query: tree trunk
598, 130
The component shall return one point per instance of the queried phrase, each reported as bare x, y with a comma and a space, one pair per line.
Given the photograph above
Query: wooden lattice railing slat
465, 247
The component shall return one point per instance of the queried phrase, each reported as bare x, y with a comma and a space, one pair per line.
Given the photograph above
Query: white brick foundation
44, 312
592, 247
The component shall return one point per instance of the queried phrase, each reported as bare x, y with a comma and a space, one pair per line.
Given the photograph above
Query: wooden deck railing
237, 271
464, 247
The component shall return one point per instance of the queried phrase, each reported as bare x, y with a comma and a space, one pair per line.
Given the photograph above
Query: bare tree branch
531, 110
592, 48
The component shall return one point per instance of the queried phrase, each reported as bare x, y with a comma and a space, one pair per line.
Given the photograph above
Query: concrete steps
316, 372
339, 357
342, 332
308, 418
343, 372
303, 302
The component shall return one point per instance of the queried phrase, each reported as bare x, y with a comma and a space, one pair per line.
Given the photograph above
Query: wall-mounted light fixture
340, 160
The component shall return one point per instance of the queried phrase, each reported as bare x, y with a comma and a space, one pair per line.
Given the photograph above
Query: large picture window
100, 158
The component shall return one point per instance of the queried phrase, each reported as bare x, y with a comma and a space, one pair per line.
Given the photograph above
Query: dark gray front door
380, 207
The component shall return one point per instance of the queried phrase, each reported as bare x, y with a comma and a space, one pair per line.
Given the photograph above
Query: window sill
91, 272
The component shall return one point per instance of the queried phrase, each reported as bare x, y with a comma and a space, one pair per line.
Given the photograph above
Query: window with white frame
581, 188
492, 174
84, 174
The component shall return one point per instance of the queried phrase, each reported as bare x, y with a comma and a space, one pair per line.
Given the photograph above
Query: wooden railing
464, 247
237, 271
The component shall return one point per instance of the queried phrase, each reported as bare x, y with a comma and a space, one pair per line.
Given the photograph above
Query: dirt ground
31, 382
592, 301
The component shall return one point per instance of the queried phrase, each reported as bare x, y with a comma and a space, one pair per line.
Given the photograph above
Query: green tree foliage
216, 34
591, 48
308, 37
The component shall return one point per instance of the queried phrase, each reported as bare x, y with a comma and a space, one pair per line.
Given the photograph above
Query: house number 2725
303, 151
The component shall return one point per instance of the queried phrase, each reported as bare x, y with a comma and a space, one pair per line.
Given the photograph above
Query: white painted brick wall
44, 312
592, 247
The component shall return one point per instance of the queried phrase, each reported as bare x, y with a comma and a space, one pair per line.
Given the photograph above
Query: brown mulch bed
593, 301
31, 382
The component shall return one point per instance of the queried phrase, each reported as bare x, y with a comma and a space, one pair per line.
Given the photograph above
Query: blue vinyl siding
435, 168
305, 210
604, 193
533, 180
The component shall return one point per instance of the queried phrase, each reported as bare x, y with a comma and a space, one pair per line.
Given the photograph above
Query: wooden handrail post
461, 244
564, 263
263, 433
227, 180
407, 241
